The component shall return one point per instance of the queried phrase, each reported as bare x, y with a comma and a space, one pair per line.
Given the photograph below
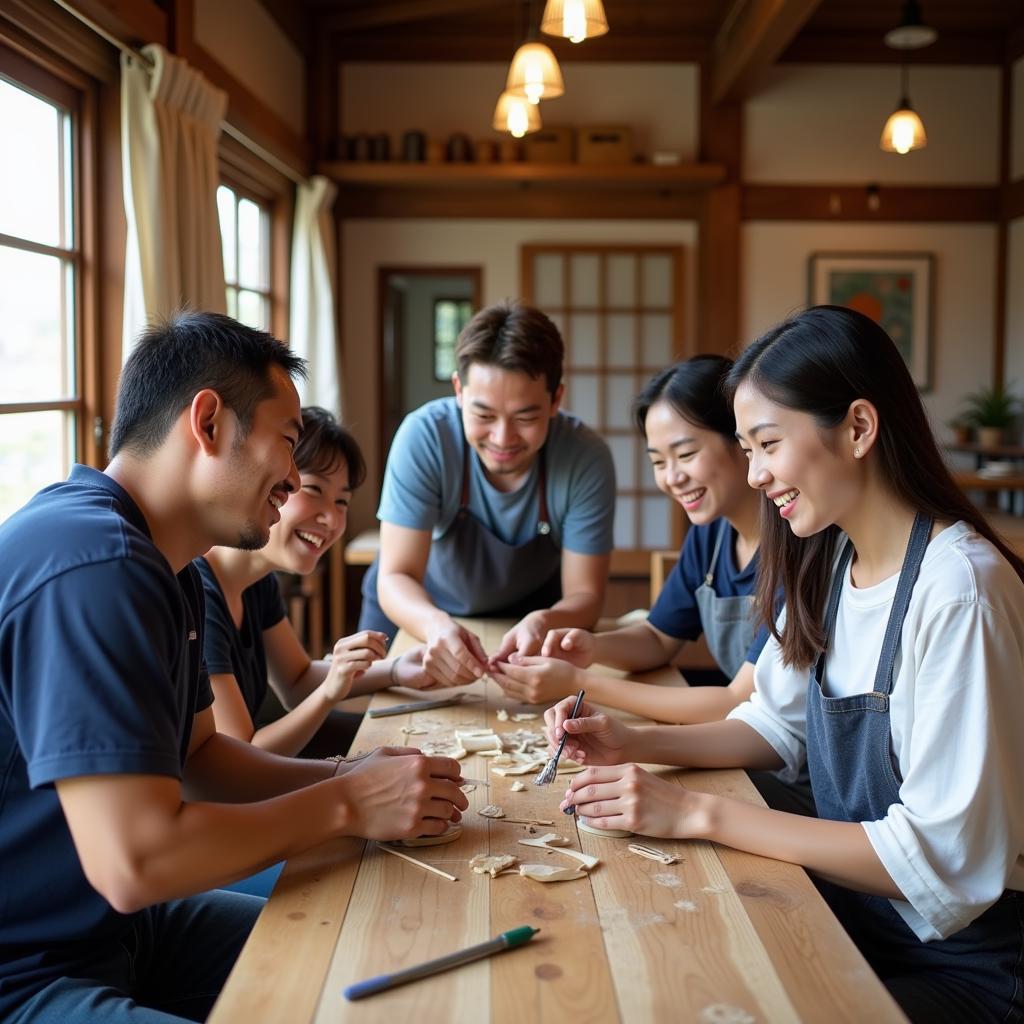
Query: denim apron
471, 571
728, 622
974, 975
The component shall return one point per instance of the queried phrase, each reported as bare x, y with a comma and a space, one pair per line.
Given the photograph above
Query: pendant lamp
904, 130
911, 33
574, 20
534, 73
515, 115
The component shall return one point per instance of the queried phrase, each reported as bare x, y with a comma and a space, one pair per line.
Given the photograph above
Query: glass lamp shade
534, 73
904, 130
515, 115
574, 20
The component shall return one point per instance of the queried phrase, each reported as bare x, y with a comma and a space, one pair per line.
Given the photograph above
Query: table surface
635, 940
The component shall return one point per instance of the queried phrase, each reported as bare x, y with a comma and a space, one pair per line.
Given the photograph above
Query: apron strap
709, 576
832, 608
543, 523
918, 544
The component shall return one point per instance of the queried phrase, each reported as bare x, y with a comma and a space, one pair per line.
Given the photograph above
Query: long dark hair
325, 444
819, 362
694, 389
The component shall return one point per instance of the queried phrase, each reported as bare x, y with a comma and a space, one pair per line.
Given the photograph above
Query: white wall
1017, 122
774, 284
659, 101
493, 245
822, 122
243, 36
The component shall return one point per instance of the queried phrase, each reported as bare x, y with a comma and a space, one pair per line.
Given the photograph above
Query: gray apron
728, 622
471, 571
974, 975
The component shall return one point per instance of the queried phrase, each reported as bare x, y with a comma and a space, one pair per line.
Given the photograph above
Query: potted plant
961, 427
991, 410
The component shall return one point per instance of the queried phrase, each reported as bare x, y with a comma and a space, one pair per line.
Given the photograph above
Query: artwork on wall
894, 289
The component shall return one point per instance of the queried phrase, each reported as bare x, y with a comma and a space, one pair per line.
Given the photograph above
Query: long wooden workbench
720, 936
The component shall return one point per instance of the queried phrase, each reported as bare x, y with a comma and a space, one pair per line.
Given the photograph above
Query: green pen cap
517, 936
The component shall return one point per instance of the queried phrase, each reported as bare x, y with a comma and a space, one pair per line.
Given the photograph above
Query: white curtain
170, 123
312, 329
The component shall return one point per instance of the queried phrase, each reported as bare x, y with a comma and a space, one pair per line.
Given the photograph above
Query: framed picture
894, 289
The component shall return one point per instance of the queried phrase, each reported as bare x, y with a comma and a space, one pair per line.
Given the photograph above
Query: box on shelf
605, 144
550, 145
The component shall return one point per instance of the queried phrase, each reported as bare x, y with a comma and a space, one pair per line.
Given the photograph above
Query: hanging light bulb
534, 73
904, 130
515, 115
911, 33
574, 20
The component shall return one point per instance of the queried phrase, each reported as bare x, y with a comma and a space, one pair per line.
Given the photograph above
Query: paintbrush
547, 774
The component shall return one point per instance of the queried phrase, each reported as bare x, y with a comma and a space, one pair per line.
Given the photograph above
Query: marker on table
383, 982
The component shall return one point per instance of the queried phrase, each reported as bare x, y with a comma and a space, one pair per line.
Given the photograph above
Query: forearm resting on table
635, 648
675, 704
140, 843
726, 744
838, 851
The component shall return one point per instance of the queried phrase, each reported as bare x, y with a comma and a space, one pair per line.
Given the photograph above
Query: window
450, 316
41, 407
245, 234
619, 311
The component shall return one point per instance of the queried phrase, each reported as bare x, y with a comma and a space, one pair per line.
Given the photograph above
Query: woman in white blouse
896, 673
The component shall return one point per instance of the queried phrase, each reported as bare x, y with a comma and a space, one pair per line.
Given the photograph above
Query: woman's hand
351, 657
591, 738
535, 680
625, 796
575, 646
408, 670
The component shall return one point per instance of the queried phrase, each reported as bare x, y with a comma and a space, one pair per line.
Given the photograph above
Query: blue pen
506, 940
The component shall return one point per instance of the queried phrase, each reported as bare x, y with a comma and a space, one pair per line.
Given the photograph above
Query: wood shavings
652, 854
608, 833
491, 753
444, 748
525, 716
492, 864
550, 873
448, 836
502, 715
517, 769
469, 787
566, 766
475, 740
518, 786
558, 844
412, 730
491, 811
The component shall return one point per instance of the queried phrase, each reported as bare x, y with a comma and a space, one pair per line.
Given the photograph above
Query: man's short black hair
175, 359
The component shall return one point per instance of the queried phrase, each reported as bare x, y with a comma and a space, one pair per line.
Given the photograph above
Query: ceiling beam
857, 47
753, 35
379, 15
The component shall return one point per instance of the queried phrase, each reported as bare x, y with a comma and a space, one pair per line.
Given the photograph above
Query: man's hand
625, 796
351, 657
591, 738
575, 646
453, 656
524, 638
536, 680
398, 793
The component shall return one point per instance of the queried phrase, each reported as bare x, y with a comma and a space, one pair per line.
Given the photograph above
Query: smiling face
311, 522
261, 472
506, 415
701, 469
803, 468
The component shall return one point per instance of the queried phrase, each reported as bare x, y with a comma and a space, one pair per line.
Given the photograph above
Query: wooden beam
952, 204
752, 36
380, 15
135, 22
869, 48
292, 19
1013, 200
1015, 43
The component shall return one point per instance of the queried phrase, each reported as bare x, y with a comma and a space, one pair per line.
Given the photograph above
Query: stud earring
856, 453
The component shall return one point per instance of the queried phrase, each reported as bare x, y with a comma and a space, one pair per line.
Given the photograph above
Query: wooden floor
721, 935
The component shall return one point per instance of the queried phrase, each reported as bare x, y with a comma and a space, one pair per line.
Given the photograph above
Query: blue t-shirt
101, 673
240, 652
423, 483
676, 613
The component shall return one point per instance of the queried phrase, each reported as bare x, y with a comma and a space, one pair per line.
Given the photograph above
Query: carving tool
547, 774
422, 705
383, 982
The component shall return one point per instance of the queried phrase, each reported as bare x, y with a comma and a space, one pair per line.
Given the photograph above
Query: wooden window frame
634, 560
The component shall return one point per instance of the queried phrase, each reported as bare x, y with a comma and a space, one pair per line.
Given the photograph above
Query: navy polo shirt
675, 613
240, 652
100, 674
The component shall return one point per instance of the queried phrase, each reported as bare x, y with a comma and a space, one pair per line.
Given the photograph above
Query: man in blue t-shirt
494, 503
118, 799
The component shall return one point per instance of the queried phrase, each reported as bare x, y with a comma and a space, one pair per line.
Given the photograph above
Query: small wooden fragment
652, 854
418, 863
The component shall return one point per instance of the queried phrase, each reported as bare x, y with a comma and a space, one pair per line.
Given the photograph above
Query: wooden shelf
403, 175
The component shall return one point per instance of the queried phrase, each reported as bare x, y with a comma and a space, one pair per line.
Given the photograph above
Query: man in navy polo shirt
118, 799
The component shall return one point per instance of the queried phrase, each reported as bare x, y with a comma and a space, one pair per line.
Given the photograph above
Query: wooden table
634, 941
